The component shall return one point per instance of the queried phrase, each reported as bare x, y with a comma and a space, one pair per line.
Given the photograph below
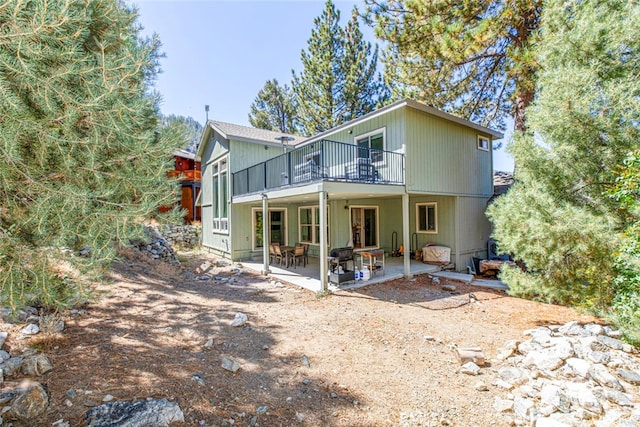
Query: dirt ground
381, 355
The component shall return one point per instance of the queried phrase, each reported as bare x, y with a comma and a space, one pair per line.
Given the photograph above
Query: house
406, 174
188, 170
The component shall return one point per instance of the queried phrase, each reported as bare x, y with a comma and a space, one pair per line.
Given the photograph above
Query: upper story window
371, 145
483, 143
220, 177
427, 218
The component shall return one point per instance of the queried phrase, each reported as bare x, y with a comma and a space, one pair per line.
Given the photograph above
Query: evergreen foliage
192, 131
572, 214
470, 58
338, 81
84, 159
273, 108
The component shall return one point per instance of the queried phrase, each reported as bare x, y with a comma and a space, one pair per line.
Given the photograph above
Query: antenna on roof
206, 111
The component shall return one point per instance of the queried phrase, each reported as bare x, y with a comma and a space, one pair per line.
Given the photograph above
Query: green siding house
405, 170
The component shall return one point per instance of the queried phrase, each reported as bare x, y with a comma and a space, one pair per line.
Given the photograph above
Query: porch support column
265, 235
406, 238
324, 268
458, 257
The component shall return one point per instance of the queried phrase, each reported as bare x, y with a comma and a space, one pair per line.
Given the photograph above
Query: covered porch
309, 277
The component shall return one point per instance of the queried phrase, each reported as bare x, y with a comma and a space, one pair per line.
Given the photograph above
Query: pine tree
338, 80
273, 108
363, 89
560, 217
192, 129
471, 58
84, 160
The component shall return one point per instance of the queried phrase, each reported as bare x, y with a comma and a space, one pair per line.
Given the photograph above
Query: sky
221, 53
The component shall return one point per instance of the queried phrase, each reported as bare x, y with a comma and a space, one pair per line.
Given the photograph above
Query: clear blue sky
220, 53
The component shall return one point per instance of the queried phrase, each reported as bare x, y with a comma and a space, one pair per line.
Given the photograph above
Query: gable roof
413, 104
246, 134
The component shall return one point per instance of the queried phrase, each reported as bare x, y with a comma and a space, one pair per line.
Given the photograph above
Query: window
220, 195
309, 224
427, 218
483, 143
371, 145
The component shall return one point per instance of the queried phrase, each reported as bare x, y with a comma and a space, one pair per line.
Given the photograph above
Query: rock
543, 360
230, 364
553, 395
629, 376
30, 329
600, 374
203, 278
579, 367
4, 356
11, 367
449, 287
502, 405
30, 402
508, 350
512, 375
107, 398
594, 329
522, 407
610, 342
435, 280
480, 386
618, 397
239, 320
470, 368
550, 422
305, 361
209, 343
198, 378
157, 413
34, 366
262, 410
3, 337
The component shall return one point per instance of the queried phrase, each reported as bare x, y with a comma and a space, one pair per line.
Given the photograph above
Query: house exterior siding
442, 157
439, 162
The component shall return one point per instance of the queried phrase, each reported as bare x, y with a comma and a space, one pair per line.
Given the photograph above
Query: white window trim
483, 143
253, 225
377, 208
383, 131
435, 212
220, 225
314, 238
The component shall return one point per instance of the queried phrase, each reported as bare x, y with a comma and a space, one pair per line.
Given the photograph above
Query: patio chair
297, 255
306, 253
279, 256
272, 253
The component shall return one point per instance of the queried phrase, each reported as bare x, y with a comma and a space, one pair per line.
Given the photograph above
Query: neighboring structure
189, 172
502, 181
406, 168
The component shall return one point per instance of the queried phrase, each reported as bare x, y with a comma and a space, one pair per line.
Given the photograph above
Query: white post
406, 238
324, 268
265, 235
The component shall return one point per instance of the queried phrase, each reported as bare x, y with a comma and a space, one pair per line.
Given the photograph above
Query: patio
309, 277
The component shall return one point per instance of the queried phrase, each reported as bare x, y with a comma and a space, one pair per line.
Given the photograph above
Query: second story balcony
324, 160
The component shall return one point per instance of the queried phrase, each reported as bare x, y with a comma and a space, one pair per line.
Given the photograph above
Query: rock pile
156, 246
570, 375
183, 236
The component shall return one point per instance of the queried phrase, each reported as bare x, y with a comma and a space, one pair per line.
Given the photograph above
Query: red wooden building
189, 172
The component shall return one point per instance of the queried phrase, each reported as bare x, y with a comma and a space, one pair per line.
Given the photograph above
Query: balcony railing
322, 161
187, 175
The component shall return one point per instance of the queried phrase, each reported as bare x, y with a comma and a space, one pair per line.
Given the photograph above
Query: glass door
364, 227
277, 227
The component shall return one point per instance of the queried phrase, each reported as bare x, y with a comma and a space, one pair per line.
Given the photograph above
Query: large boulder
143, 413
